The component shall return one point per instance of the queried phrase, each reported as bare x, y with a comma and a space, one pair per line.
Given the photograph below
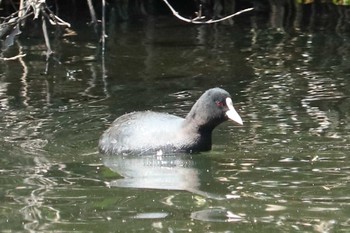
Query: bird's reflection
169, 172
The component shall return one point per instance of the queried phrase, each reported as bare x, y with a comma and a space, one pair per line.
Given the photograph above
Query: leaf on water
11, 38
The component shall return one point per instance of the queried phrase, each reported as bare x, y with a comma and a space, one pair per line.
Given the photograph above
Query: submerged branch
199, 18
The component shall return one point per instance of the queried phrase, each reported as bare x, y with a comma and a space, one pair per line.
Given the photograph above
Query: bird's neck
198, 124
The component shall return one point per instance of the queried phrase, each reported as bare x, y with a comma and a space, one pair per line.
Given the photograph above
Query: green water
286, 170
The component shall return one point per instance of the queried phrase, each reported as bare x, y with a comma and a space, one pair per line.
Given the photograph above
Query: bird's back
143, 131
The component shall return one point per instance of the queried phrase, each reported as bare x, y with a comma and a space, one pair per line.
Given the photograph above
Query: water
285, 170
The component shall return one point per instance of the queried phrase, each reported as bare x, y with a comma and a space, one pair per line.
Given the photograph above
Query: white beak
231, 113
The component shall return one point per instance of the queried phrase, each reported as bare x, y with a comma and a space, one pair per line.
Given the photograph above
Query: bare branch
198, 19
53, 19
12, 58
92, 12
58, 21
47, 40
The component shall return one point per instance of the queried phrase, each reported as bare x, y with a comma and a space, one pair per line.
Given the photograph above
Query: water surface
286, 170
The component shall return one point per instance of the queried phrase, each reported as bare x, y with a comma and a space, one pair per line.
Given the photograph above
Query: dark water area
285, 170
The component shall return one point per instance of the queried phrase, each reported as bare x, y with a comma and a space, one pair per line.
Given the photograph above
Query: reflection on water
154, 172
35, 207
306, 75
322, 90
286, 169
169, 172
216, 215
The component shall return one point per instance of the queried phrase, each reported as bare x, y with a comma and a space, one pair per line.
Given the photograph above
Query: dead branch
47, 40
12, 58
199, 18
94, 20
53, 19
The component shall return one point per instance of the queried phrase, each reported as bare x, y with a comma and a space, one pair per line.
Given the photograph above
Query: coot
148, 132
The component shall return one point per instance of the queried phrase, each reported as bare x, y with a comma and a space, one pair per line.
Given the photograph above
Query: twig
53, 19
199, 17
12, 58
58, 21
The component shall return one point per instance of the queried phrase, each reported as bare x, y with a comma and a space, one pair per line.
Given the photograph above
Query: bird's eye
220, 103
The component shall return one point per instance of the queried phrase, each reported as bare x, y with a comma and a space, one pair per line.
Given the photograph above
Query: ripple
216, 214
271, 207
154, 215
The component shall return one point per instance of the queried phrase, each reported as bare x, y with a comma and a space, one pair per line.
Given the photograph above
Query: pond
286, 169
